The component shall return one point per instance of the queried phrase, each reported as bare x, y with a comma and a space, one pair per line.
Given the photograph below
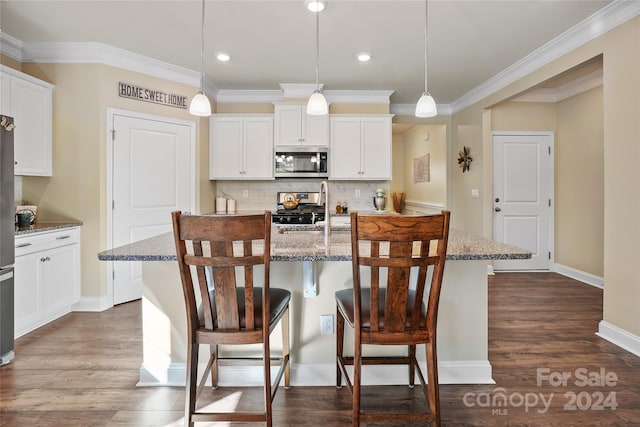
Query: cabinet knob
15, 162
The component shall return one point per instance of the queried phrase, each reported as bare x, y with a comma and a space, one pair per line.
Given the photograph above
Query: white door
522, 196
152, 175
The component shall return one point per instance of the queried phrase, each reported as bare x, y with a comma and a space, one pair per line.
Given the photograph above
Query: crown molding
248, 96
560, 93
302, 91
299, 90
100, 53
358, 96
612, 15
10, 46
410, 109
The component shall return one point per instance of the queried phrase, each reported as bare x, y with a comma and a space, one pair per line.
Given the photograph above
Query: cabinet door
288, 125
376, 148
258, 148
27, 293
31, 109
315, 130
345, 160
225, 148
61, 282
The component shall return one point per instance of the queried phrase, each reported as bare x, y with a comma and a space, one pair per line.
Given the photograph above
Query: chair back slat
219, 249
391, 246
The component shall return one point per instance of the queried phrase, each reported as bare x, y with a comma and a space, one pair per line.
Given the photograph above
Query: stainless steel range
298, 208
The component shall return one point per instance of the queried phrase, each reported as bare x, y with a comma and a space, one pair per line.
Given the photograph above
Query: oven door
301, 164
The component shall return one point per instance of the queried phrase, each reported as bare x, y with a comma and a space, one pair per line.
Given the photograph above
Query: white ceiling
273, 42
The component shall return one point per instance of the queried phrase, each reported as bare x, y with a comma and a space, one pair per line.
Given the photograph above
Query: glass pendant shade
317, 105
200, 105
426, 106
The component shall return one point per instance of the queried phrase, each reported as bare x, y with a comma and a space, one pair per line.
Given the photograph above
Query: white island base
462, 328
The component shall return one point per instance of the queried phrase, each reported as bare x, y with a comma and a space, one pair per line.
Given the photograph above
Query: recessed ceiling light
223, 57
315, 5
364, 57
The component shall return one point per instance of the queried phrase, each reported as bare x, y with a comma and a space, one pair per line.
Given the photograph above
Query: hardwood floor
81, 370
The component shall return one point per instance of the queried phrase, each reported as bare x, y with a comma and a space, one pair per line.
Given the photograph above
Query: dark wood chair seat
401, 255
344, 299
278, 303
217, 257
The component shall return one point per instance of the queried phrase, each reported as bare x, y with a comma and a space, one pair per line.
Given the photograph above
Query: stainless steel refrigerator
7, 245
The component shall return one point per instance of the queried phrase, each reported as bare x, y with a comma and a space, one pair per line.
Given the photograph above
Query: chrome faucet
324, 189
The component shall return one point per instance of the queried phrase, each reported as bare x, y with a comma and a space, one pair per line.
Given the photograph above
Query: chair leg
357, 365
192, 383
267, 380
412, 366
286, 348
214, 367
432, 378
339, 346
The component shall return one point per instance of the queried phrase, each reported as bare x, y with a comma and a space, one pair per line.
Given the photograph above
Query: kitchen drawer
36, 242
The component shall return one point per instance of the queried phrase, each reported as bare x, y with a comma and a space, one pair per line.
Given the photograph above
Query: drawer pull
63, 237
23, 245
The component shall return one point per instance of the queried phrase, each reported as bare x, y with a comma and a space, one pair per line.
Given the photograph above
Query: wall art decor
421, 169
464, 159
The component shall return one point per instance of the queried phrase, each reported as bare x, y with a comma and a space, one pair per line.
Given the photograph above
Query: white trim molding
96, 304
584, 277
619, 337
321, 374
10, 46
609, 17
560, 93
410, 109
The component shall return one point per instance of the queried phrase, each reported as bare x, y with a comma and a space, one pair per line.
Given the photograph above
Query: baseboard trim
579, 275
321, 374
619, 337
92, 304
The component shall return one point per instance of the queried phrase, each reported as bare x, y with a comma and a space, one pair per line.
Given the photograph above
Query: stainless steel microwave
301, 162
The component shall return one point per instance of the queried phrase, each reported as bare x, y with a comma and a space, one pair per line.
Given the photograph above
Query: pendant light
317, 104
200, 105
426, 106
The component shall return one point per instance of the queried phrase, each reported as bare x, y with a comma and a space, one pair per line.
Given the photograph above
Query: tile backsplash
262, 194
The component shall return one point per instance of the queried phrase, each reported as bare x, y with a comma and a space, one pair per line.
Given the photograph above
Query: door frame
111, 113
552, 208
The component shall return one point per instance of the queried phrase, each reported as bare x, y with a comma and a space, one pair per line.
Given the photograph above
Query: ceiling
273, 42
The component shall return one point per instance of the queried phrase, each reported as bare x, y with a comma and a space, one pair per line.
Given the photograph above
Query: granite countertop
307, 243
41, 227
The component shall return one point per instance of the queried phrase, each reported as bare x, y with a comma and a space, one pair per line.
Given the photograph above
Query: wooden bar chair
223, 309
391, 310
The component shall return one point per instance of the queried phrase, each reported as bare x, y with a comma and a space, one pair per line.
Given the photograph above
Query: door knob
497, 209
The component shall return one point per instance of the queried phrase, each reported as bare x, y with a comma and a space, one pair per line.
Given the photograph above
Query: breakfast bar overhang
462, 322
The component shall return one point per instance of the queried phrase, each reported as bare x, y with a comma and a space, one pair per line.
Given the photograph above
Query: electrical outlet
245, 194
357, 193
326, 324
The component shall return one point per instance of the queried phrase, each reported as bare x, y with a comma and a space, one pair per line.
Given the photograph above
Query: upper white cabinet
360, 147
29, 101
241, 146
293, 126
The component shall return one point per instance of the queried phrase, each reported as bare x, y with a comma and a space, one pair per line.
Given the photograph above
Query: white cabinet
241, 147
29, 101
360, 147
293, 126
47, 277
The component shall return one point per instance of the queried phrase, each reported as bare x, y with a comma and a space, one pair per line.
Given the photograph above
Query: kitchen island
462, 322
